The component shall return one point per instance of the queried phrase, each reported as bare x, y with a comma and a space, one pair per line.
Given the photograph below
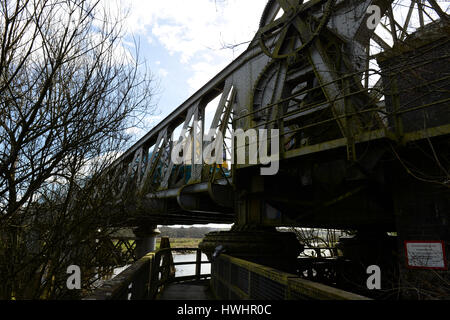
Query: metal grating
234, 296
223, 270
239, 277
234, 278
222, 290
266, 289
295, 295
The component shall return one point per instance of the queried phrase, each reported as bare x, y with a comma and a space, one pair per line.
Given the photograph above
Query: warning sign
426, 254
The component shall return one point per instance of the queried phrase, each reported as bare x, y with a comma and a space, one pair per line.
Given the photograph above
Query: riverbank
181, 242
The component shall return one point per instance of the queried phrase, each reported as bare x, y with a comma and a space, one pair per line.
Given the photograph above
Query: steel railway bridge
363, 118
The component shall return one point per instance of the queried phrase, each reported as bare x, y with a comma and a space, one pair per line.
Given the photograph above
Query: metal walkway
192, 290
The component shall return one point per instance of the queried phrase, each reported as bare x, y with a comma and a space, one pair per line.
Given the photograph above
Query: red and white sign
426, 254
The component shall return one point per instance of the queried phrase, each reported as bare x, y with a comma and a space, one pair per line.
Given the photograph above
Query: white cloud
202, 72
163, 72
128, 44
134, 131
195, 31
147, 123
152, 120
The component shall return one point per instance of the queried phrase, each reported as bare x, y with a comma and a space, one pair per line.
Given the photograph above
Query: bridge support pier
249, 239
146, 239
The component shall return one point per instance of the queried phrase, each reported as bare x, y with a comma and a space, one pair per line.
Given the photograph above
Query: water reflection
183, 270
189, 270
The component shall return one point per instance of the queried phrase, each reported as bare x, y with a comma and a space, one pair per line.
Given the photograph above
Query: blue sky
182, 42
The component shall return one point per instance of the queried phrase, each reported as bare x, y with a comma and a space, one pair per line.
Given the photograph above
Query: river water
184, 270
189, 270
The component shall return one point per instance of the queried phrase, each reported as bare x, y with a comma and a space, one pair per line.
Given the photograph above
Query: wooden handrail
293, 287
142, 279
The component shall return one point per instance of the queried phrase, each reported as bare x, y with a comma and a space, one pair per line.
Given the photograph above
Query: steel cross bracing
311, 71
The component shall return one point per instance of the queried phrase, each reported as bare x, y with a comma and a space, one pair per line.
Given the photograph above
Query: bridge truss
313, 72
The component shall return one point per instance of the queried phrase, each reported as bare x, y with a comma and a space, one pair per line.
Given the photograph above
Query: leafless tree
68, 93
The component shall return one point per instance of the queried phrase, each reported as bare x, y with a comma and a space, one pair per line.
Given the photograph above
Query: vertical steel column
146, 239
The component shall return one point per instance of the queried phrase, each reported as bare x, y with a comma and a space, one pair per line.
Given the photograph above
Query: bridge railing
237, 279
146, 278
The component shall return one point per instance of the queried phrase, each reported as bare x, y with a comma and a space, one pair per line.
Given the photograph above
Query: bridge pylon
146, 239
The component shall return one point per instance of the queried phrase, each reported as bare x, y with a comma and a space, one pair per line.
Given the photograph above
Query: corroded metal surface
265, 283
311, 72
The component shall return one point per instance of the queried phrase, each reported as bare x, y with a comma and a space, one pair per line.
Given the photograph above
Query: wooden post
198, 264
169, 273
151, 282
145, 239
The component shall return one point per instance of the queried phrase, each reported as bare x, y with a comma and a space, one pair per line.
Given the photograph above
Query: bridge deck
191, 290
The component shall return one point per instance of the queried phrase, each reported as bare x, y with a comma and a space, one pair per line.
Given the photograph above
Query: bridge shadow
190, 290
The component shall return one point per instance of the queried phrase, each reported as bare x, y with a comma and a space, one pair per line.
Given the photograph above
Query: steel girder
311, 72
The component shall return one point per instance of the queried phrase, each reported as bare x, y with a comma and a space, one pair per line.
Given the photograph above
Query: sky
184, 43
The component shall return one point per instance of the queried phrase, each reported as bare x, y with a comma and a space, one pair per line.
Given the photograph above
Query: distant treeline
183, 232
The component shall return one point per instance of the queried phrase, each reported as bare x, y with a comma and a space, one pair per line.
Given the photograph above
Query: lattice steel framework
312, 72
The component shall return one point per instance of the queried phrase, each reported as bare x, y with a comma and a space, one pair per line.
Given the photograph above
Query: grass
181, 242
